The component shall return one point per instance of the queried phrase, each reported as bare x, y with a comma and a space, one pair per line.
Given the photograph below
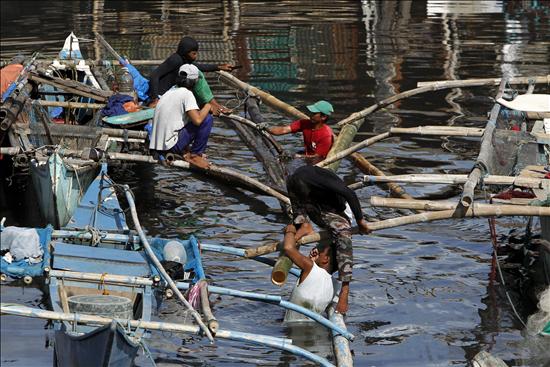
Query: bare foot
305, 229
197, 160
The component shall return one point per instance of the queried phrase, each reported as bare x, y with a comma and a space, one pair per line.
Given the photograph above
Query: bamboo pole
214, 170
158, 265
211, 321
443, 84
476, 209
438, 131
11, 109
94, 106
433, 86
280, 270
342, 352
266, 98
344, 153
108, 47
521, 181
124, 132
368, 168
410, 219
486, 146
106, 278
279, 343
70, 86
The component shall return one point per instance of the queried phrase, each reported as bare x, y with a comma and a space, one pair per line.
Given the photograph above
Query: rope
96, 235
102, 285
240, 101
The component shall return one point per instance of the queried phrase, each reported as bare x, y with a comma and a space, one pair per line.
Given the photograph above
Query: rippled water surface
422, 294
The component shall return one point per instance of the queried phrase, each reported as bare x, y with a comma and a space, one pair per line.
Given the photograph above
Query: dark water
422, 294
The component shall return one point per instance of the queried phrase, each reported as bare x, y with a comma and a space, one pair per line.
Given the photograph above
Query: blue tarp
21, 268
115, 105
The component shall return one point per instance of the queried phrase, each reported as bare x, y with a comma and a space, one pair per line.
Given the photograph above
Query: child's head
323, 256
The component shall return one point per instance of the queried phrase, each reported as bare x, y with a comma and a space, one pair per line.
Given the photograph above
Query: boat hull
59, 188
107, 346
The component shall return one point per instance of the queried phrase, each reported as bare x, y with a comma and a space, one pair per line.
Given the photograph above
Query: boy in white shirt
178, 121
314, 289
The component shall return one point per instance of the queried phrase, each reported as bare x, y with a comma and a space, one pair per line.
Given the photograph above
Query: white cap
190, 70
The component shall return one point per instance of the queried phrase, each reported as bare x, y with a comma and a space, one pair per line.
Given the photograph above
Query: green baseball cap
321, 106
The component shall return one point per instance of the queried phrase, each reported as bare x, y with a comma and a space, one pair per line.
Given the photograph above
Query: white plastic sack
22, 243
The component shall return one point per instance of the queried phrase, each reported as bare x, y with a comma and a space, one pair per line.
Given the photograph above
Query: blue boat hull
107, 346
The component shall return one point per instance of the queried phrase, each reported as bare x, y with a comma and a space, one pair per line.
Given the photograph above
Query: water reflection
422, 295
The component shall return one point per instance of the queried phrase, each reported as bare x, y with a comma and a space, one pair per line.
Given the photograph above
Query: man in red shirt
318, 136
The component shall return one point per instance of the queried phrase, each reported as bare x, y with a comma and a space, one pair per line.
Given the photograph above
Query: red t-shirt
316, 141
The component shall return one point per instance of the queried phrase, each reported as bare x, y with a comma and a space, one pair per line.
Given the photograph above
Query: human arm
198, 116
279, 130
342, 305
217, 108
214, 67
291, 251
363, 226
204, 94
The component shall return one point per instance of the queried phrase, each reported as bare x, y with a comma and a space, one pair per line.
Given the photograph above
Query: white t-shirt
314, 293
170, 117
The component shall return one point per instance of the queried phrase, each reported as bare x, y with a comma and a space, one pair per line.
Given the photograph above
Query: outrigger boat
60, 182
103, 274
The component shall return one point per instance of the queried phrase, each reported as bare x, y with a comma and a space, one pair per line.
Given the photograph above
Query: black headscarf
186, 45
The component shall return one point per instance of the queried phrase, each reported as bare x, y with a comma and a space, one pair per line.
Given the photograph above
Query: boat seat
88, 259
528, 103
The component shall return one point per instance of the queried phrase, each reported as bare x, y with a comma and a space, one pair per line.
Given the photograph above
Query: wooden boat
56, 77
60, 182
107, 275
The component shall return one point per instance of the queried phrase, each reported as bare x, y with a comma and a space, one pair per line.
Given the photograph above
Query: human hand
215, 109
225, 110
363, 227
153, 103
225, 67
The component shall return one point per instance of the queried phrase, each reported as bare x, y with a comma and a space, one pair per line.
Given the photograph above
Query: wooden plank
72, 87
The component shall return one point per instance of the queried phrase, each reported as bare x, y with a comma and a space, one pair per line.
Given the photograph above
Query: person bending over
178, 121
320, 195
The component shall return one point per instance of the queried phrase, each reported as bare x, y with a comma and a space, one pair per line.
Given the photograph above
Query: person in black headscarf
164, 76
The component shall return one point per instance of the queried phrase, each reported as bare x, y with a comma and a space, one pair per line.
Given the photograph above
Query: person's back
170, 117
314, 293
